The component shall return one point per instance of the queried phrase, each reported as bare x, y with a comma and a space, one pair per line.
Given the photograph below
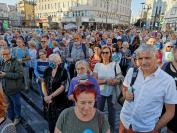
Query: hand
154, 131
110, 81
48, 99
2, 74
129, 96
40, 79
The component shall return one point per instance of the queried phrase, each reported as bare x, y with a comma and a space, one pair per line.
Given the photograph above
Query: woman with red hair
84, 117
6, 126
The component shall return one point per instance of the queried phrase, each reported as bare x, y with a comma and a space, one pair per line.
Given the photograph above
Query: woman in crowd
167, 52
21, 53
55, 77
135, 44
119, 43
126, 58
33, 56
40, 66
6, 126
83, 74
171, 69
95, 58
55, 47
83, 115
105, 72
116, 54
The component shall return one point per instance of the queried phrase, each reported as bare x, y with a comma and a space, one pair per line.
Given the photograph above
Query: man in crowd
145, 98
12, 82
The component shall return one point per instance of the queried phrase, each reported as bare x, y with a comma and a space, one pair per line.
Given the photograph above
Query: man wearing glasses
44, 45
12, 82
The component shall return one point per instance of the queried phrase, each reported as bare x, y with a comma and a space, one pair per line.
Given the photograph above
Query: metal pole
141, 20
107, 4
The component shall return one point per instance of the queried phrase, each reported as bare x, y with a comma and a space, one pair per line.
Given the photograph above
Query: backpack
164, 66
83, 48
121, 99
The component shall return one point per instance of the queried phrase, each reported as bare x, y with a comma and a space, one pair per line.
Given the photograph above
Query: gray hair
146, 48
55, 57
83, 62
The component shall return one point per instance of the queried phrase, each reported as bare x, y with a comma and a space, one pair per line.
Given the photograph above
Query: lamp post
147, 8
141, 20
107, 9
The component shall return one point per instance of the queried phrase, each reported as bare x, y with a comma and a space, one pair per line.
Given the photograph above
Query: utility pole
107, 9
141, 20
34, 4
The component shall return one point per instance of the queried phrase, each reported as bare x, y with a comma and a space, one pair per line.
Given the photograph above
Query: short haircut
85, 87
55, 57
42, 51
3, 104
146, 48
85, 63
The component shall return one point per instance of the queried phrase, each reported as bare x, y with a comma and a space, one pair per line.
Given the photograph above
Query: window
173, 11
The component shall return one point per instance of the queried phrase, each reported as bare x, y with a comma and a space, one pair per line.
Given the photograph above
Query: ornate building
96, 13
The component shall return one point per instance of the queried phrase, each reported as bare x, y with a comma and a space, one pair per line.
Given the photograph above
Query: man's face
6, 55
147, 61
85, 103
44, 42
151, 41
2, 43
81, 69
109, 41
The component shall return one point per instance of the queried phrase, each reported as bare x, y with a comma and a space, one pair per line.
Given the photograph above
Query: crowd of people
81, 73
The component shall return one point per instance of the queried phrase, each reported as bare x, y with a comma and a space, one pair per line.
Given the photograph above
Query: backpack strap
100, 121
70, 49
115, 69
164, 66
134, 76
83, 48
4, 128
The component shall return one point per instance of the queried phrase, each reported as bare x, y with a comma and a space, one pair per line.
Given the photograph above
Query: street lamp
107, 9
147, 8
141, 20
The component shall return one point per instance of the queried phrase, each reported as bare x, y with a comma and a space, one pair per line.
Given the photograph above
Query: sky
136, 6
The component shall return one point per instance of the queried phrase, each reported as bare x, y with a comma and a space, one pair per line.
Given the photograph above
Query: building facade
9, 17
170, 18
163, 13
27, 11
96, 13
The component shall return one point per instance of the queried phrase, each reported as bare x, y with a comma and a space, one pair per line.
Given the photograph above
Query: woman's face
105, 54
169, 48
20, 43
119, 43
42, 55
85, 103
81, 69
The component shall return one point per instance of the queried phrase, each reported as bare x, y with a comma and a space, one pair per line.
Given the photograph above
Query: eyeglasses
43, 41
170, 46
41, 55
5, 54
81, 68
104, 52
76, 38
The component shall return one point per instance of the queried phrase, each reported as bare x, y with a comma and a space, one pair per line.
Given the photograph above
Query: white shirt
149, 96
106, 72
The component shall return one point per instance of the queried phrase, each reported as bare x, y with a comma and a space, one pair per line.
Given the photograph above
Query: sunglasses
104, 52
43, 41
41, 55
170, 46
